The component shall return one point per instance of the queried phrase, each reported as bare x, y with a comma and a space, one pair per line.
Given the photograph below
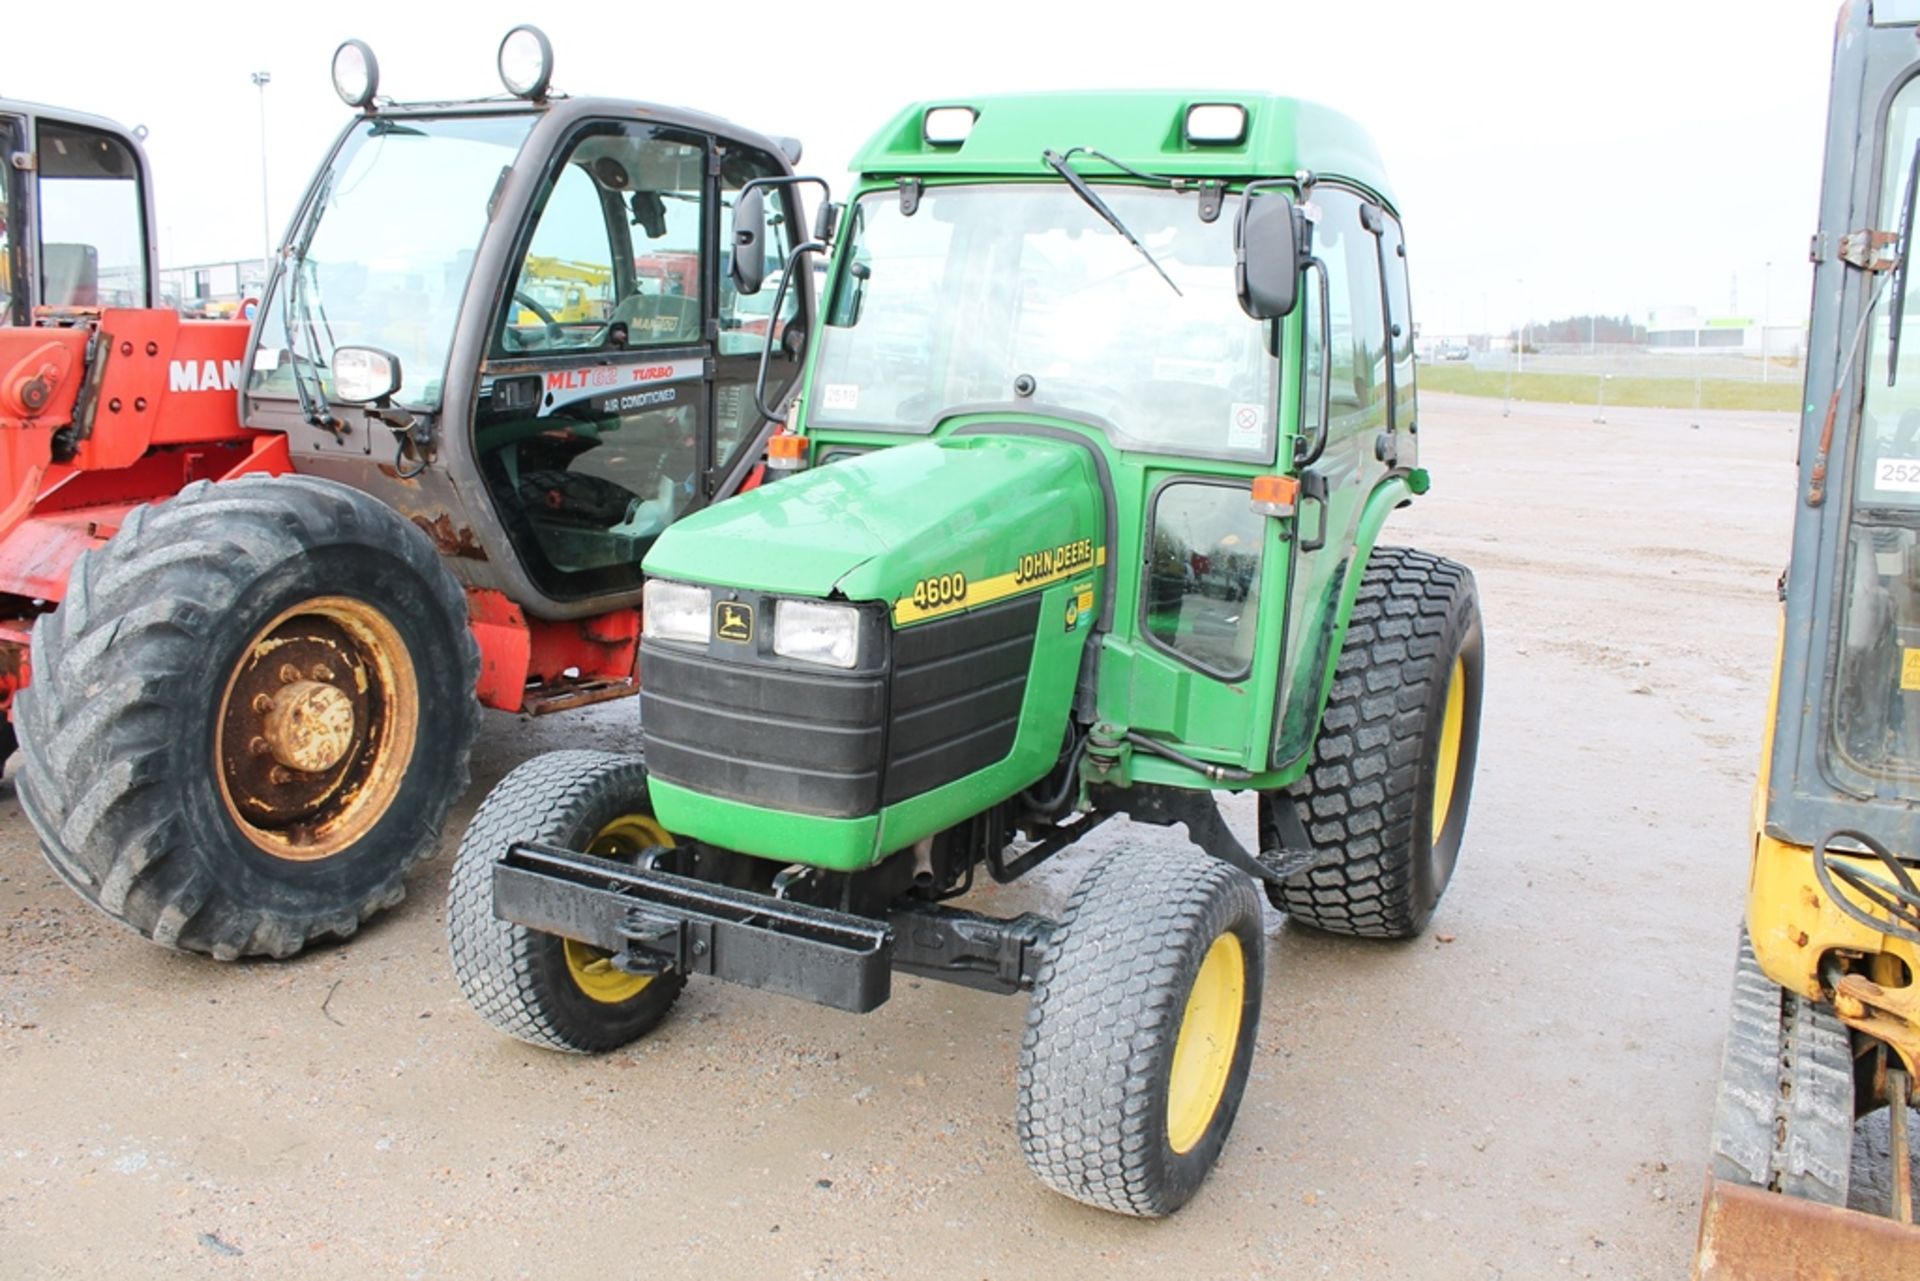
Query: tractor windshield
981, 285
388, 250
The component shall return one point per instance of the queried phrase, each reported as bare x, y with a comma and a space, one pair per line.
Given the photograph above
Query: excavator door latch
1869, 250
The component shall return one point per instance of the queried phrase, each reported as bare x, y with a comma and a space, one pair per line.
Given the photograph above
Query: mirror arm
773, 323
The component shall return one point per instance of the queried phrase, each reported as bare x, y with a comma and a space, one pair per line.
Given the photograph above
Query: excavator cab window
1875, 709
92, 219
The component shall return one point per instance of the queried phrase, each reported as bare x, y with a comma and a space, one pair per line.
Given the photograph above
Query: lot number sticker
1899, 474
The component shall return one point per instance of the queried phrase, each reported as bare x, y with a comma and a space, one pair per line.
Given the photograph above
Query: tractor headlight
676, 612
526, 62
816, 633
356, 74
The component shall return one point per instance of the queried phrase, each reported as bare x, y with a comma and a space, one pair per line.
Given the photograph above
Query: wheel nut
280, 774
321, 672
259, 747
262, 704
289, 673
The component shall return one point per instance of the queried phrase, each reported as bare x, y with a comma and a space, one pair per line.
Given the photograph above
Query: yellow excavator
1813, 1160
563, 291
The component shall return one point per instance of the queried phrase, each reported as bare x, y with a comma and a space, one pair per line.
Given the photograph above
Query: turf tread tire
507, 972
118, 684
1107, 1005
1365, 798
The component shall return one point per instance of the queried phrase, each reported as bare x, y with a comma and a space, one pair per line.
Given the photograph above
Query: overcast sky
1550, 158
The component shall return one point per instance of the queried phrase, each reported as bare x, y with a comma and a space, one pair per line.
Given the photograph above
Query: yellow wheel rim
1209, 1035
316, 728
1446, 769
592, 968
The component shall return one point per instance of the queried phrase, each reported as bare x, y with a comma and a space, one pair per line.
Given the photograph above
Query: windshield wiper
318, 412
1900, 268
1059, 164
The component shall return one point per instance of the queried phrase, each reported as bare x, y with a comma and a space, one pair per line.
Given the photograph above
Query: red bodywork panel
137, 405
536, 666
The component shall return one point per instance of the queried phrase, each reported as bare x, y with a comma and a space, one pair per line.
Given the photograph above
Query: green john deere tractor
1077, 517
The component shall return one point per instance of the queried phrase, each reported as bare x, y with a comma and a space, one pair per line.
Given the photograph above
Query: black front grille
958, 684
735, 721
794, 741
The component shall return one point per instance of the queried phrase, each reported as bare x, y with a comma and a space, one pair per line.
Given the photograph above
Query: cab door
594, 423
1356, 421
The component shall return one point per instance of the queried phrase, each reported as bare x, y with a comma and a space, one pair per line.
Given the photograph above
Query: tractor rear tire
1385, 798
541, 988
1141, 1030
249, 716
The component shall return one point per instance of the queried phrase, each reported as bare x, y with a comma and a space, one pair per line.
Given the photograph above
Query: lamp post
1766, 314
260, 81
1520, 354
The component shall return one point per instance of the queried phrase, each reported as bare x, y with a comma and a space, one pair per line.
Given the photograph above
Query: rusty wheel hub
317, 728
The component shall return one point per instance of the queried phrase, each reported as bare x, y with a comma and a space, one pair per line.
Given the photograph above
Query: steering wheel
534, 305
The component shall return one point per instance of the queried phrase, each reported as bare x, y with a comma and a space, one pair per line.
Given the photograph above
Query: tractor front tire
249, 716
543, 989
1141, 1030
1385, 798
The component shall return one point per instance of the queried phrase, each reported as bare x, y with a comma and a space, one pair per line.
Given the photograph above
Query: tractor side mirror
749, 269
365, 375
1267, 257
826, 221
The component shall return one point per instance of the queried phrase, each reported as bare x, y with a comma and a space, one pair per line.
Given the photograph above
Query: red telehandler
257, 579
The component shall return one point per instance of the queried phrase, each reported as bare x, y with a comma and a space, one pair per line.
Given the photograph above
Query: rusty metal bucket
1749, 1234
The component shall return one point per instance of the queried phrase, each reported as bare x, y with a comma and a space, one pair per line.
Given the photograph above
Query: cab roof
1142, 128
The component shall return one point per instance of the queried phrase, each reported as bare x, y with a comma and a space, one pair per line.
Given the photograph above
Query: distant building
1685, 329
212, 289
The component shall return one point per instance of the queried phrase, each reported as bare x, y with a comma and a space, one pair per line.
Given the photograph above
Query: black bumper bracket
653, 922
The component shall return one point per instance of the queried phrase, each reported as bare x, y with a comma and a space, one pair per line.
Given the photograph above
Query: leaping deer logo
736, 621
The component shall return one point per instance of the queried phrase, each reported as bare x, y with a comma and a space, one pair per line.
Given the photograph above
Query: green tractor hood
932, 528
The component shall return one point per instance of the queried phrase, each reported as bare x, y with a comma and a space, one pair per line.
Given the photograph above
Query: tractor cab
507, 319
76, 215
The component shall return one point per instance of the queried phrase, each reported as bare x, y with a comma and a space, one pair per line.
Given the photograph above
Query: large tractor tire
249, 716
541, 988
1385, 799
1141, 1030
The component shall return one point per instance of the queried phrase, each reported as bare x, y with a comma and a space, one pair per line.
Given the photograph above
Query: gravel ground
1524, 1092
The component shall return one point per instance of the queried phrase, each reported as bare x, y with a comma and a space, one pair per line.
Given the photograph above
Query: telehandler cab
261, 575
1825, 1018
1085, 485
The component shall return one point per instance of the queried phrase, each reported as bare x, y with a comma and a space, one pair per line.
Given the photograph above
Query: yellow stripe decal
942, 594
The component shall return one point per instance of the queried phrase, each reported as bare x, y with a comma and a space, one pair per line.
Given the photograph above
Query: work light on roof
1216, 123
356, 75
947, 126
526, 62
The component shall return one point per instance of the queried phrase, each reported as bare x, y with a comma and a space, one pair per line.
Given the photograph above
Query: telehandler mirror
749, 267
649, 213
364, 375
1267, 256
